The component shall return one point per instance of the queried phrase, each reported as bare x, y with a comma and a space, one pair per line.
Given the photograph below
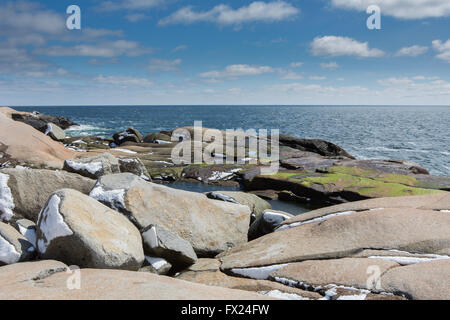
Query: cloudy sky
224, 52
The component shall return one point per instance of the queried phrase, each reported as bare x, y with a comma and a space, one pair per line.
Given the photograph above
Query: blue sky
224, 52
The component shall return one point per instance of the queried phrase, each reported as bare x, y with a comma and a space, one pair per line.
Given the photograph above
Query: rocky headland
106, 206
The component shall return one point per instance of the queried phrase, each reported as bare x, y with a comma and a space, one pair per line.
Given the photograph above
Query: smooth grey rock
134, 166
78, 230
159, 242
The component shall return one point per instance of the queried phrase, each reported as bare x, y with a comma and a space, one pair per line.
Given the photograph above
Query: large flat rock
25, 145
30, 188
411, 230
429, 202
210, 226
423, 281
78, 230
47, 280
349, 272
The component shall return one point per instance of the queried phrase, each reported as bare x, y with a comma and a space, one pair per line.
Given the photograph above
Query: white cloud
129, 5
124, 81
329, 65
317, 78
164, 65
180, 48
225, 15
415, 87
413, 51
135, 17
343, 46
296, 64
290, 75
403, 9
443, 48
237, 70
102, 50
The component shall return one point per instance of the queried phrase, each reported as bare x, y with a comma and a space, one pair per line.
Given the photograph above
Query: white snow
115, 198
22, 168
29, 233
152, 237
361, 296
91, 167
8, 253
408, 260
282, 295
445, 211
6, 199
156, 263
320, 219
125, 151
51, 224
276, 214
48, 129
259, 273
129, 160
162, 142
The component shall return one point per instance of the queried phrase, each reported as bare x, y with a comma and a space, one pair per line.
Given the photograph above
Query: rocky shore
382, 231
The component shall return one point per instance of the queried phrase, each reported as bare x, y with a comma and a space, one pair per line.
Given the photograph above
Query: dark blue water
420, 134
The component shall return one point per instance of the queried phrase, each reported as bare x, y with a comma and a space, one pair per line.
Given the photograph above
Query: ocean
416, 133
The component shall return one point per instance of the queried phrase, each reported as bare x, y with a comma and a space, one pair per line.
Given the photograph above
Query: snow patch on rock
29, 234
259, 273
316, 220
91, 167
113, 198
156, 263
51, 224
6, 199
282, 295
8, 253
125, 150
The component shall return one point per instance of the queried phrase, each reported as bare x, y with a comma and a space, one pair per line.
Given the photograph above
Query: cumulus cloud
343, 46
164, 65
225, 15
129, 4
296, 64
123, 81
103, 50
329, 65
443, 49
413, 51
237, 70
403, 9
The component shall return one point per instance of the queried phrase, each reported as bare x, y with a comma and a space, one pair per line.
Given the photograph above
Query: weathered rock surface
93, 167
207, 271
22, 144
14, 247
411, 230
321, 147
337, 184
255, 203
78, 230
157, 138
39, 121
210, 226
159, 242
134, 166
430, 202
422, 281
129, 135
55, 132
266, 223
30, 189
48, 280
348, 272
